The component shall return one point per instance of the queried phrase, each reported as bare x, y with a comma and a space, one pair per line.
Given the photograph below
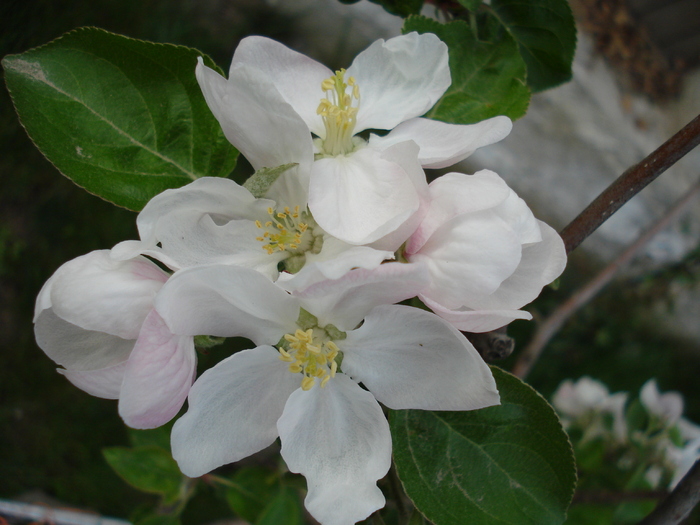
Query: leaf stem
631, 182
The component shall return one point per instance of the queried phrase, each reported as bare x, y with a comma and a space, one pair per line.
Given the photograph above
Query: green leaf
250, 490
149, 469
284, 509
546, 34
509, 464
122, 118
400, 7
260, 181
488, 73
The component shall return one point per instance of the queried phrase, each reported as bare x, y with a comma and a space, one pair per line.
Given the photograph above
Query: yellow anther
334, 368
295, 368
258, 224
270, 211
324, 381
307, 383
328, 84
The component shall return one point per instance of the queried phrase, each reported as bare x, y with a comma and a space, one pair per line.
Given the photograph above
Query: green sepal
260, 182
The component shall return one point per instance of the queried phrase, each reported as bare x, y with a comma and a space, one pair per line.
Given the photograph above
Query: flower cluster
309, 264
646, 438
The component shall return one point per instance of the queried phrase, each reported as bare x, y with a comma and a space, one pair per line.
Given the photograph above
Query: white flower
487, 254
215, 221
301, 382
667, 407
95, 317
586, 402
276, 98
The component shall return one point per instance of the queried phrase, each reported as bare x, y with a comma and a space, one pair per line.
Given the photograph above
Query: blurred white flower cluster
646, 438
308, 261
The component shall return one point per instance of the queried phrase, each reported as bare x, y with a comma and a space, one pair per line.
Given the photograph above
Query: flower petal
475, 321
209, 221
255, 117
442, 144
297, 77
338, 438
469, 256
158, 375
540, 264
226, 301
455, 194
399, 79
361, 197
410, 358
104, 382
333, 262
97, 293
233, 410
344, 302
78, 349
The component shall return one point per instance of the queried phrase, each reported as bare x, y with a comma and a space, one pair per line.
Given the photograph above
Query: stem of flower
631, 182
679, 503
547, 329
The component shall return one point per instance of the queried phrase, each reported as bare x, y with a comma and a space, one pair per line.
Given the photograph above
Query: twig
679, 503
554, 322
631, 182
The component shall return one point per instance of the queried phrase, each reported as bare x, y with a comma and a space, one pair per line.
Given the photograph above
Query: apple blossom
275, 99
301, 382
95, 318
215, 221
487, 254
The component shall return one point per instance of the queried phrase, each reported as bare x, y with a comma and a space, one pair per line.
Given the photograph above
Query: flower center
338, 113
310, 350
290, 231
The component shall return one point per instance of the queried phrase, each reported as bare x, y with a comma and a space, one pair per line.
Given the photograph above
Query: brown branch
554, 322
679, 503
631, 182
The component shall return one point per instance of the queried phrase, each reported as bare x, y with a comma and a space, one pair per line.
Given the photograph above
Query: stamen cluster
284, 232
310, 356
338, 113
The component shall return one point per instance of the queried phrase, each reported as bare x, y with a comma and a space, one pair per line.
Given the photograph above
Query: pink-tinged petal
78, 349
158, 375
362, 197
297, 77
410, 358
399, 79
104, 382
455, 194
227, 301
338, 438
405, 154
469, 256
97, 293
344, 302
255, 117
540, 264
333, 262
442, 144
476, 321
233, 410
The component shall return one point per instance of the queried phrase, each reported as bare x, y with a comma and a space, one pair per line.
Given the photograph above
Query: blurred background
635, 84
